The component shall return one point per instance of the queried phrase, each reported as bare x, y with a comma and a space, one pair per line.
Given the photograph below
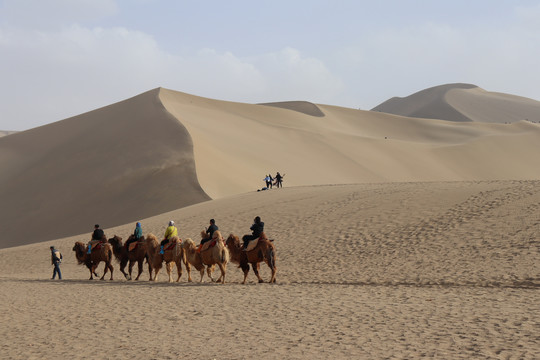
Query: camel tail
225, 256
272, 258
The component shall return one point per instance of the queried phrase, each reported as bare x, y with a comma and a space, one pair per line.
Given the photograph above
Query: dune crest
163, 150
463, 103
304, 107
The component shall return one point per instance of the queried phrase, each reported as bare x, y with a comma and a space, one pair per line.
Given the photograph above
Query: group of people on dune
273, 181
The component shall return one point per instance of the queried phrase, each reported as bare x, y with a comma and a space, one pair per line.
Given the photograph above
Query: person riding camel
169, 233
209, 233
137, 235
257, 228
97, 235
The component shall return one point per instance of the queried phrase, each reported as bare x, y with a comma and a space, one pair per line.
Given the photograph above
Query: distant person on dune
267, 181
169, 233
279, 180
271, 180
56, 259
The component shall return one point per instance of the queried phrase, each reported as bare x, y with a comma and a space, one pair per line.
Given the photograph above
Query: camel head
188, 244
80, 251
203, 234
232, 240
115, 241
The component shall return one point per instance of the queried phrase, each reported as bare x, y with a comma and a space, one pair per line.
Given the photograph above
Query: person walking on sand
56, 259
279, 180
169, 233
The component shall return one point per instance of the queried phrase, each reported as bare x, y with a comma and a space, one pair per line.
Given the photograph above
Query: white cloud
76, 69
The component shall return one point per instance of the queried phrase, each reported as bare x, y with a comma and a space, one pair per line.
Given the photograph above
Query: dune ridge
463, 103
163, 150
304, 107
113, 165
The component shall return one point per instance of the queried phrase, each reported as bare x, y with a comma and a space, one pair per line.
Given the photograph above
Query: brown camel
172, 255
138, 255
214, 255
104, 253
264, 251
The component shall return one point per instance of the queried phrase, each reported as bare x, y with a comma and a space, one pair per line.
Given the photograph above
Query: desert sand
163, 149
398, 270
396, 236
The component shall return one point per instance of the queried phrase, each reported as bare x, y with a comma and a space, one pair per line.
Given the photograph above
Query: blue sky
61, 58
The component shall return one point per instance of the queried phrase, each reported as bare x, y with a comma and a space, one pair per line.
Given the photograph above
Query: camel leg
150, 271
245, 269
123, 264
255, 267
169, 270
202, 274
131, 264
209, 270
223, 269
104, 272
156, 272
179, 270
109, 265
139, 268
188, 269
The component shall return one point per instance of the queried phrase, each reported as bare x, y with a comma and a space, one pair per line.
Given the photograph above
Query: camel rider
98, 235
137, 235
169, 233
257, 228
209, 233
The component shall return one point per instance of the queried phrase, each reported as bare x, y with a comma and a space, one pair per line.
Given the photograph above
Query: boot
89, 249
161, 251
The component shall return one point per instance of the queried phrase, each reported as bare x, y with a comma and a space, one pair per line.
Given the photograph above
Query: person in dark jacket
279, 180
56, 259
137, 235
210, 231
256, 230
98, 235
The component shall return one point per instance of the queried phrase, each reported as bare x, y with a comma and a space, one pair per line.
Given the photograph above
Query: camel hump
252, 244
209, 244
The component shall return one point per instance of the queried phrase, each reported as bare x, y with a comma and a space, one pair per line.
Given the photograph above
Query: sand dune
397, 270
5, 133
163, 150
113, 165
463, 102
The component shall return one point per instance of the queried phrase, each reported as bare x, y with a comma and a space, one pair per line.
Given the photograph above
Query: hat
138, 224
171, 223
52, 247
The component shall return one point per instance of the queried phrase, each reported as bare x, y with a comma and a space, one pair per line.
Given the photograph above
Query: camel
264, 251
138, 255
215, 255
175, 255
92, 260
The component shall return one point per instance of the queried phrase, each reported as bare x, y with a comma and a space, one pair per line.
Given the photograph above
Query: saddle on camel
210, 243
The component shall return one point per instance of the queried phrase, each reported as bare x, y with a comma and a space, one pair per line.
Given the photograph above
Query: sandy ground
445, 270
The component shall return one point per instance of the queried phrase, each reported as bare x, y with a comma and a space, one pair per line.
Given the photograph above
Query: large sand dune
163, 150
445, 270
463, 102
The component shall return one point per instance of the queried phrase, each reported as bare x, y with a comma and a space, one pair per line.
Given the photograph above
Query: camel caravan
213, 251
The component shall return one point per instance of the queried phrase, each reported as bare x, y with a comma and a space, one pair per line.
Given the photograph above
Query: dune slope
110, 166
463, 103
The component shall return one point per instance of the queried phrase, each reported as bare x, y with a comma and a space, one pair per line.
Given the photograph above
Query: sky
61, 58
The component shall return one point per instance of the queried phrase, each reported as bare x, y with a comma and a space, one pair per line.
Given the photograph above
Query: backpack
57, 255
